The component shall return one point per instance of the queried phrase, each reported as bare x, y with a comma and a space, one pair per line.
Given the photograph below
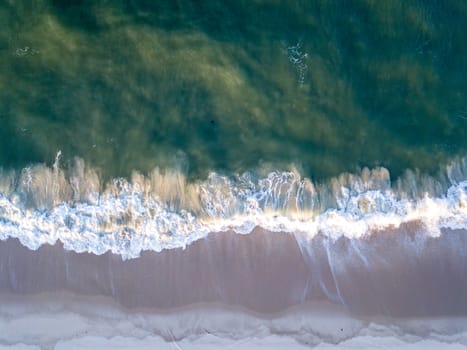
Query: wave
163, 210
68, 321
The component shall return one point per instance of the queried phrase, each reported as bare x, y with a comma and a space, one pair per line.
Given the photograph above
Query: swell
162, 210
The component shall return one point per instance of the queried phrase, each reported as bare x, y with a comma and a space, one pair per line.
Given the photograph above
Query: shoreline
400, 289
68, 321
399, 274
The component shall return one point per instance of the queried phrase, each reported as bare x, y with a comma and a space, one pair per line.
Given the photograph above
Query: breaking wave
163, 210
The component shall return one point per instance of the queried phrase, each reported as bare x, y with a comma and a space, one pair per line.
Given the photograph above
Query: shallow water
327, 86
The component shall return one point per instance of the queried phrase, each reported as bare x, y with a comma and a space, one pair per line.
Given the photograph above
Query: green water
217, 85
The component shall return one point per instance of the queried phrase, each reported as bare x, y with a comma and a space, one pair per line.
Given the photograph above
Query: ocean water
210, 133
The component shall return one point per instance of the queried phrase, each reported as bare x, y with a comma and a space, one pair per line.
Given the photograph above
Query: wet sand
397, 274
262, 290
62, 320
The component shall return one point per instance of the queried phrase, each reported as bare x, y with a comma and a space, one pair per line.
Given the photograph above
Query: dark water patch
16, 146
79, 14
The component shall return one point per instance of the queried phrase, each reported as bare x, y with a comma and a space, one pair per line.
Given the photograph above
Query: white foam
163, 211
67, 322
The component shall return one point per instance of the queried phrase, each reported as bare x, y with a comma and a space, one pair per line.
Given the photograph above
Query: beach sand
68, 321
260, 290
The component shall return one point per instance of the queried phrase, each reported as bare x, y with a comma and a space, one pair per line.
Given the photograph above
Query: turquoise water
323, 86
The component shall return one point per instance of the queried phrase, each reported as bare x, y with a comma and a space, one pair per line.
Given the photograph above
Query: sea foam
162, 210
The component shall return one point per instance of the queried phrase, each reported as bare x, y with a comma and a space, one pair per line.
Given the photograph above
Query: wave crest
163, 210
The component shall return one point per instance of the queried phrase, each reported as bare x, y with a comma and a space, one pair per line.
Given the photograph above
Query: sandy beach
69, 321
260, 290
398, 274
